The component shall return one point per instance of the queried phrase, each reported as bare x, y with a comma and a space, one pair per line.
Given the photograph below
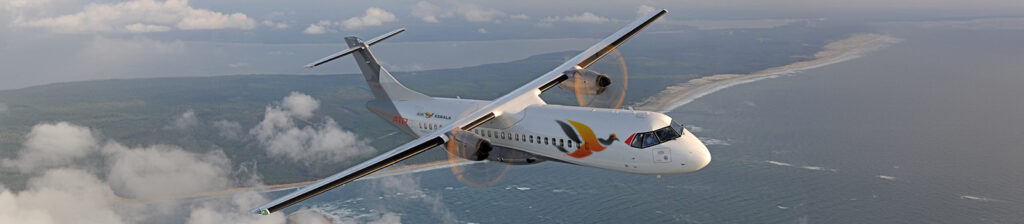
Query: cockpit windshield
652, 138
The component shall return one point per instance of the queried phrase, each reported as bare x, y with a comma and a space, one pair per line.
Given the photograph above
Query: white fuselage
536, 130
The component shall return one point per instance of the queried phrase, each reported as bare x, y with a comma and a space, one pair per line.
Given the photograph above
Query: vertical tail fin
384, 86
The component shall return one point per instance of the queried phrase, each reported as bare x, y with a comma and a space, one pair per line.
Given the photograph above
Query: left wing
508, 102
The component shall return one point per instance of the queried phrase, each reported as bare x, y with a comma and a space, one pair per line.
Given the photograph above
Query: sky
49, 41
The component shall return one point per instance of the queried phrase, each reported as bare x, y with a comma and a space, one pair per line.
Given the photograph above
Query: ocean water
930, 130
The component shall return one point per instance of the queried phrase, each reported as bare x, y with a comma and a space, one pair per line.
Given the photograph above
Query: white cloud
185, 120
146, 28
586, 17
229, 129
481, 30
24, 4
275, 25
373, 17
50, 145
315, 143
431, 13
61, 192
519, 16
406, 184
220, 211
426, 11
139, 16
318, 28
300, 105
3, 108
164, 170
643, 9
474, 13
60, 196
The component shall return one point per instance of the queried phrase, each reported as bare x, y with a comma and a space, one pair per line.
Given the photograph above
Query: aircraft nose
697, 154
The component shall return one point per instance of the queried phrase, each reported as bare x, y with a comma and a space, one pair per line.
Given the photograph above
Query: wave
778, 163
977, 198
806, 167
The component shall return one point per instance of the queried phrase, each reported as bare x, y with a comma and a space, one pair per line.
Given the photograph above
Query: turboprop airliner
519, 128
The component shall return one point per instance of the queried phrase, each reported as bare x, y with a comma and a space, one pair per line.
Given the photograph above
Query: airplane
519, 128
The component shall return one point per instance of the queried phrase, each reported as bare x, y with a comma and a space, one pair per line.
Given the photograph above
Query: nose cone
696, 154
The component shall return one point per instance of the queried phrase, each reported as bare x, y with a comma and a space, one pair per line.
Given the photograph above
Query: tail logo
590, 141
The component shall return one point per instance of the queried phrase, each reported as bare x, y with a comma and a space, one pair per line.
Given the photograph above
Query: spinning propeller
600, 90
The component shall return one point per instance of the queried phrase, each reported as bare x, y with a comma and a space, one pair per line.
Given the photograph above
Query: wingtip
261, 211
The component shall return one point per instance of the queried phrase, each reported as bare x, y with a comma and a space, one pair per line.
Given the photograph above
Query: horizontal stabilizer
350, 50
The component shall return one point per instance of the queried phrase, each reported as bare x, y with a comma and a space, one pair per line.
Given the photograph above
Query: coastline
681, 94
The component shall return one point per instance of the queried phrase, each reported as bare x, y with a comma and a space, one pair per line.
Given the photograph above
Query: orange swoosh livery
590, 141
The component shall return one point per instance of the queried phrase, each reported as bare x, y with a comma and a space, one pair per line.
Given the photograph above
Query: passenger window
531, 138
561, 142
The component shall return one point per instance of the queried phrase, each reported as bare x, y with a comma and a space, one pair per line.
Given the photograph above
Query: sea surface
930, 130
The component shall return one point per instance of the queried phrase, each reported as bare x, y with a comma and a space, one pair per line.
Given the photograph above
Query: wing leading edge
474, 119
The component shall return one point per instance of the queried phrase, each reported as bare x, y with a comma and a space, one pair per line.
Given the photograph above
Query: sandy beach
842, 50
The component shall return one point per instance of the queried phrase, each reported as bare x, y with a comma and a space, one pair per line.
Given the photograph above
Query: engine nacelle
470, 145
583, 81
513, 157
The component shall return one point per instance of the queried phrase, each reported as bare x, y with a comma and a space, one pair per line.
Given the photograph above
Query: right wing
516, 100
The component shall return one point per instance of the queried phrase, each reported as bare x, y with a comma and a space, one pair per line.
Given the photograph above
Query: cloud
643, 9
519, 16
431, 13
53, 145
405, 184
275, 25
138, 16
426, 11
164, 170
481, 30
586, 17
68, 192
60, 196
319, 28
146, 28
314, 143
221, 211
229, 129
474, 13
3, 109
300, 105
373, 17
24, 4
185, 120
1003, 23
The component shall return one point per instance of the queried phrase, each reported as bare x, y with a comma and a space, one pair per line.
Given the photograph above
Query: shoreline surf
681, 94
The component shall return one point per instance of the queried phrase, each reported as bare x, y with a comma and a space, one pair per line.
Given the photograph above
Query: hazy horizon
49, 41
